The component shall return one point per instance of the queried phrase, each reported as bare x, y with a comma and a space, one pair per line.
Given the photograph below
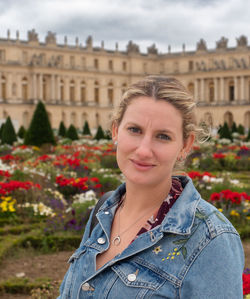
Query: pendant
117, 240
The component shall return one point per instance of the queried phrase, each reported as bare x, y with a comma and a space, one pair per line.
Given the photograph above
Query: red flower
215, 196
219, 156
246, 283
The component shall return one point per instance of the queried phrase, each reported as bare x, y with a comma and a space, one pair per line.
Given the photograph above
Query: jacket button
85, 286
101, 241
131, 277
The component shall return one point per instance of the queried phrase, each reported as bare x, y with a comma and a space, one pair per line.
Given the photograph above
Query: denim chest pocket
133, 280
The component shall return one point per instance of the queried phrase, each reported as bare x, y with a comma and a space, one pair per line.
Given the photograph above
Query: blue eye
134, 130
163, 137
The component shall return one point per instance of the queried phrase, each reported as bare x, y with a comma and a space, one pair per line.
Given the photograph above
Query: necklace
117, 239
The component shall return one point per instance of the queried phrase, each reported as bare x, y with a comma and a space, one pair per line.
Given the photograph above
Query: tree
241, 129
225, 132
1, 130
72, 133
99, 134
8, 133
40, 131
21, 132
62, 130
248, 135
234, 128
86, 130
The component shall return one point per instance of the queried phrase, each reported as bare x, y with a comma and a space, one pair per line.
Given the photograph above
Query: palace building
81, 82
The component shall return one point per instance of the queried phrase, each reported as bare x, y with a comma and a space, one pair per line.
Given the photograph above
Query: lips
142, 165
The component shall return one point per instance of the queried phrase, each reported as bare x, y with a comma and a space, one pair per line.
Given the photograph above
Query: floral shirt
159, 215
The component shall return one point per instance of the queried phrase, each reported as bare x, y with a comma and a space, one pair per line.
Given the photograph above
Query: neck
141, 198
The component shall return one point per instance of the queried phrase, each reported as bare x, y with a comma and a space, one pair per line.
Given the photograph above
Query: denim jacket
195, 253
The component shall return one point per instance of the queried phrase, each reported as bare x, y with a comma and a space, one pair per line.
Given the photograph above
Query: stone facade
81, 82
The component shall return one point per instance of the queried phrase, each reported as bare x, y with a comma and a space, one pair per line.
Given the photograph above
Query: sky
145, 22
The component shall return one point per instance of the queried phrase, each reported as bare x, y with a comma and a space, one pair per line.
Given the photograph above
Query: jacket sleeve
217, 270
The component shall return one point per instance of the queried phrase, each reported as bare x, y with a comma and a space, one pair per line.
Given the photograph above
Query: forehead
159, 113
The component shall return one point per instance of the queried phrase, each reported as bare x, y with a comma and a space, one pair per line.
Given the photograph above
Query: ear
189, 143
114, 131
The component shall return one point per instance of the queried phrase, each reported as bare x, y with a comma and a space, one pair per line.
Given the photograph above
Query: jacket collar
180, 218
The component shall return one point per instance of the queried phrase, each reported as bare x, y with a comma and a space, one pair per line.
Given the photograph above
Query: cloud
164, 22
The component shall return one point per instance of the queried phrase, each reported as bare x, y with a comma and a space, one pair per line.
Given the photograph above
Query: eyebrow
159, 131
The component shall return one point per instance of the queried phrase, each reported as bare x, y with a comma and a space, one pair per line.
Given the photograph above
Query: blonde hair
161, 88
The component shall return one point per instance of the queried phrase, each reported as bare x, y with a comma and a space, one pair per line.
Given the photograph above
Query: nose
144, 148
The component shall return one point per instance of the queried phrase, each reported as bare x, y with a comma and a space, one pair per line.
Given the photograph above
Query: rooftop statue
222, 43
32, 36
241, 41
132, 48
89, 41
50, 38
201, 45
152, 50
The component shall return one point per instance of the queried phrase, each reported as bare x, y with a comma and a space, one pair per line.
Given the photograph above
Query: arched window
61, 90
191, 88
84, 118
247, 120
110, 94
14, 89
3, 85
211, 92
64, 117
231, 91
50, 117
97, 118
228, 118
44, 89
73, 119
26, 119
24, 88
96, 92
5, 114
208, 119
83, 92
72, 91
124, 87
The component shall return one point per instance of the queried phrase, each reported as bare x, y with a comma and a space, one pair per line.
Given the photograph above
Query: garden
49, 186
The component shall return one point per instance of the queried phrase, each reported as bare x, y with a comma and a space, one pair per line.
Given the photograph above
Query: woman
155, 237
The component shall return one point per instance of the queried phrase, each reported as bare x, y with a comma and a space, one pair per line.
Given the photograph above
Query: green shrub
224, 132
62, 129
99, 134
241, 130
39, 131
8, 133
21, 132
72, 133
86, 130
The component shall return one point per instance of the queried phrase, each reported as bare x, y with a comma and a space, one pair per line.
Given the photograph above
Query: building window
231, 91
96, 64
2, 55
24, 88
3, 85
61, 90
110, 94
73, 119
83, 62
72, 61
72, 91
96, 92
190, 65
228, 118
83, 92
44, 90
124, 66
110, 65
211, 92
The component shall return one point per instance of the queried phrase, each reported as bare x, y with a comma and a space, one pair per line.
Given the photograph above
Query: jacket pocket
135, 281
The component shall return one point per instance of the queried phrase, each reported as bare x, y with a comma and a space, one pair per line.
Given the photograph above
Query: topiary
21, 132
8, 133
225, 132
39, 131
99, 134
72, 133
241, 129
86, 130
62, 129
234, 128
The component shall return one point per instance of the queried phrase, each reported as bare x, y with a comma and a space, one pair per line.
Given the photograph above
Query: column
40, 86
34, 85
236, 91
202, 94
58, 89
216, 90
222, 89
66, 89
52, 91
242, 88
77, 90
196, 90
